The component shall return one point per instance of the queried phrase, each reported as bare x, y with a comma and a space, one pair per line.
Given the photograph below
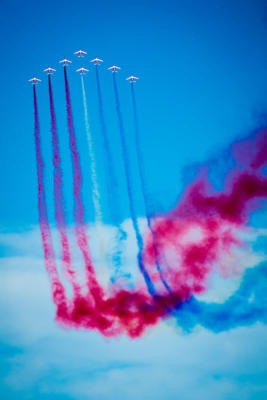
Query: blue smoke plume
245, 307
138, 235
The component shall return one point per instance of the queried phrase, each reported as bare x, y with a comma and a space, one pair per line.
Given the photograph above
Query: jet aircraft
132, 79
80, 53
34, 81
114, 68
65, 62
49, 70
82, 70
96, 61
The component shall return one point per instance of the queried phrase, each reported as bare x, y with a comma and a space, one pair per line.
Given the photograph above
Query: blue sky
202, 68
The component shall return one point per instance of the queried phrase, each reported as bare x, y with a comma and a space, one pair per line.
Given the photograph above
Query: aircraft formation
174, 271
80, 54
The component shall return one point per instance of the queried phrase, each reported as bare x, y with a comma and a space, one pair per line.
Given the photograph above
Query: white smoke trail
95, 187
96, 194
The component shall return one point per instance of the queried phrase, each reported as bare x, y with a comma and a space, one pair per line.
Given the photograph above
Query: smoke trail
58, 195
144, 188
202, 227
139, 238
80, 230
245, 307
112, 183
214, 218
96, 194
58, 292
124, 312
211, 216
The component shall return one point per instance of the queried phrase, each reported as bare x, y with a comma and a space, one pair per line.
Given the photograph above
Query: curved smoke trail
58, 196
141, 170
196, 236
217, 215
80, 229
138, 235
212, 218
58, 291
245, 307
112, 183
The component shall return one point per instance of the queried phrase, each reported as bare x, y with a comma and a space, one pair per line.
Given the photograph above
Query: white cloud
24, 283
162, 365
224, 282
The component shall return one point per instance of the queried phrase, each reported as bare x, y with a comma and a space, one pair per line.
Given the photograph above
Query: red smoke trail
200, 229
214, 216
58, 196
80, 229
58, 292
252, 152
193, 236
125, 312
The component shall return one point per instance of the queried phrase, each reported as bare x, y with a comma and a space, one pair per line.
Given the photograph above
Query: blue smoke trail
112, 183
245, 307
138, 235
144, 188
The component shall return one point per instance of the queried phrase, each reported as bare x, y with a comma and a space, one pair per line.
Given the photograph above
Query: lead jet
34, 81
132, 79
49, 70
82, 70
96, 61
80, 53
114, 68
65, 62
